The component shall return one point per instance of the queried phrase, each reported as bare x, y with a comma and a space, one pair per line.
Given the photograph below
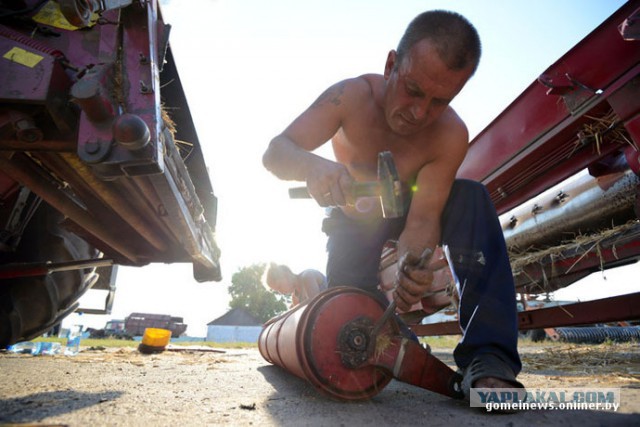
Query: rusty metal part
77, 182
196, 235
353, 341
153, 205
612, 309
78, 12
23, 171
115, 200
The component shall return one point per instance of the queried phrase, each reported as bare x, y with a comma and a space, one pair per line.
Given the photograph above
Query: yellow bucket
154, 340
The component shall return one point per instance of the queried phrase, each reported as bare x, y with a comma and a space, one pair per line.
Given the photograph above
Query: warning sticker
23, 57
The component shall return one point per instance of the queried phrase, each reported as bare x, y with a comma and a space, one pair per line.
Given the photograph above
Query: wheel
29, 306
537, 335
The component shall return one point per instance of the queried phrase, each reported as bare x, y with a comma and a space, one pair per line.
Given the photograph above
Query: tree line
249, 293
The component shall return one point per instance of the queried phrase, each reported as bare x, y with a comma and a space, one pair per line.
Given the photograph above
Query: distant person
302, 287
406, 110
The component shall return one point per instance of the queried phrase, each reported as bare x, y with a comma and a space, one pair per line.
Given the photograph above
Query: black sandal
487, 365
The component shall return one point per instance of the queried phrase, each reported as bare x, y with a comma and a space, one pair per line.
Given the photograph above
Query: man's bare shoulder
350, 91
371, 80
312, 275
453, 128
368, 85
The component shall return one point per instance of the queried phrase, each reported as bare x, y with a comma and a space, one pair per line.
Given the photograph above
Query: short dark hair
455, 38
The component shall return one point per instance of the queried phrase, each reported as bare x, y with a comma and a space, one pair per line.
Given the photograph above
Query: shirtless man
302, 286
406, 111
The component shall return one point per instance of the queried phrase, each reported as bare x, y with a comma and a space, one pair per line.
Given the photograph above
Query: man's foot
488, 371
492, 382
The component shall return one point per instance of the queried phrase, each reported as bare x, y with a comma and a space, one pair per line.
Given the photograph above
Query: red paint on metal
532, 144
632, 157
326, 343
621, 247
613, 309
413, 364
304, 341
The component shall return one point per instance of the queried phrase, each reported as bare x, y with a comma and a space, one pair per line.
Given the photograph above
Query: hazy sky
249, 67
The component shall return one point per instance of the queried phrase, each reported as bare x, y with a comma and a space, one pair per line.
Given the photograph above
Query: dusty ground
120, 387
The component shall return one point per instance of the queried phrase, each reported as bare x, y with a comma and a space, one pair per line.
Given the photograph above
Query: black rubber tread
30, 306
598, 335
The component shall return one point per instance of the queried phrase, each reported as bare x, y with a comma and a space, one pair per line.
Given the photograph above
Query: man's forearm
415, 239
286, 160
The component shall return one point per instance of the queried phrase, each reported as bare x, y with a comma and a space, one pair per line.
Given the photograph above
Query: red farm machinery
572, 136
100, 163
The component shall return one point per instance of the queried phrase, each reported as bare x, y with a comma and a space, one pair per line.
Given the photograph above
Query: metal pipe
586, 204
311, 342
23, 171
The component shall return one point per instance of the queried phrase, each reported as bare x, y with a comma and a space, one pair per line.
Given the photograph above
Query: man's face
419, 88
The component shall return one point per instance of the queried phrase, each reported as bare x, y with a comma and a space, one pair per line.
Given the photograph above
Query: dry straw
582, 244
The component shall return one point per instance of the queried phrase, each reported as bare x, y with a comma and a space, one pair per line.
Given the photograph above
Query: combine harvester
575, 132
100, 162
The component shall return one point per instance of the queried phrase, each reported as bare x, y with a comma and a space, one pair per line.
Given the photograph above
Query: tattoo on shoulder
332, 95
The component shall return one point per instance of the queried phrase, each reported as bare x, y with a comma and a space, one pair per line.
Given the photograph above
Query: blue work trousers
471, 230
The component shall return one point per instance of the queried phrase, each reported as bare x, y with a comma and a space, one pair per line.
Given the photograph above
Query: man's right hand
329, 183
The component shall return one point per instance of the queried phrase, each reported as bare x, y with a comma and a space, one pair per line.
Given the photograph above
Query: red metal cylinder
309, 341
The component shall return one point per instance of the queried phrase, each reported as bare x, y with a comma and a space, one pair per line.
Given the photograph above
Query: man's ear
391, 62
